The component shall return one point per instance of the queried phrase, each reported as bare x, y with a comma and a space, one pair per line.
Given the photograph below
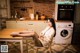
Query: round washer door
65, 33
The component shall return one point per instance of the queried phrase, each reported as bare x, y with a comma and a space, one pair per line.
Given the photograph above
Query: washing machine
64, 32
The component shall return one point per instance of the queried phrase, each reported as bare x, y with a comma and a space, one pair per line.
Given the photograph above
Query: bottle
36, 16
15, 14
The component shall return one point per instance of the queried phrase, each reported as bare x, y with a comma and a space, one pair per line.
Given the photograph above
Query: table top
5, 33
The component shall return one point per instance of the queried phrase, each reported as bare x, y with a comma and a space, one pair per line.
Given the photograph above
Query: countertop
23, 20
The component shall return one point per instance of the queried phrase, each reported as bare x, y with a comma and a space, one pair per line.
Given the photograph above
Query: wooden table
5, 37
5, 33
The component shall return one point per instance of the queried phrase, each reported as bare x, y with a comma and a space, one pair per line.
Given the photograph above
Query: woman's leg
37, 41
22, 34
25, 32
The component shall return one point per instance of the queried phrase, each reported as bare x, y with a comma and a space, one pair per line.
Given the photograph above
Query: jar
42, 17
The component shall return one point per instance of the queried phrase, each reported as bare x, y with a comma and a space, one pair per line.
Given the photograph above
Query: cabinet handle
45, 22
30, 24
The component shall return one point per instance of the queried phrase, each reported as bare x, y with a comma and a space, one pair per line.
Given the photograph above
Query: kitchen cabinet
15, 24
11, 24
37, 26
21, 24
4, 9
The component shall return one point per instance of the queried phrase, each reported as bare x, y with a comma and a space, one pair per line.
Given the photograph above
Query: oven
65, 12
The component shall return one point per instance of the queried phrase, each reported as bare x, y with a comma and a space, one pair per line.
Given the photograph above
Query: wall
46, 8
77, 14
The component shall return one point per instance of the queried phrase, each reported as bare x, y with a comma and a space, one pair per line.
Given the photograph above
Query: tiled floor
58, 49
63, 48
55, 48
29, 47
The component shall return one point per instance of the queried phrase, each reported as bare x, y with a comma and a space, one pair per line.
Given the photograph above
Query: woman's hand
41, 37
41, 34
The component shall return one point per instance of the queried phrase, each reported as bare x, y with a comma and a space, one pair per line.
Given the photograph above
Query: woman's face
49, 23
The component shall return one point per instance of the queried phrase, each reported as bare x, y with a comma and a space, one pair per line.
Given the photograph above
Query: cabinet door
39, 26
30, 25
36, 26
11, 24
21, 24
4, 9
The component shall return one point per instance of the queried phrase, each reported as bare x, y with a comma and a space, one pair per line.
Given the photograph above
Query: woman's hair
53, 23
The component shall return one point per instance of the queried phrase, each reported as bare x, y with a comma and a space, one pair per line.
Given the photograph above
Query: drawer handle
30, 24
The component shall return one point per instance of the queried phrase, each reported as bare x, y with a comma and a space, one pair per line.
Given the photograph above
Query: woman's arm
43, 31
48, 36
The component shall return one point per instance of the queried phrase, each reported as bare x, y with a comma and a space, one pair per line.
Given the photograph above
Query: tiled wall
43, 8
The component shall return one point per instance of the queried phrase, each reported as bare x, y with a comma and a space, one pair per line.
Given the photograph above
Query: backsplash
46, 8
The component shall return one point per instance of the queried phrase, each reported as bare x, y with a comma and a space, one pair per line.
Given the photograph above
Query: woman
45, 36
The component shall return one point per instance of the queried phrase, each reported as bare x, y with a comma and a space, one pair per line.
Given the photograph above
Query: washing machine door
65, 33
